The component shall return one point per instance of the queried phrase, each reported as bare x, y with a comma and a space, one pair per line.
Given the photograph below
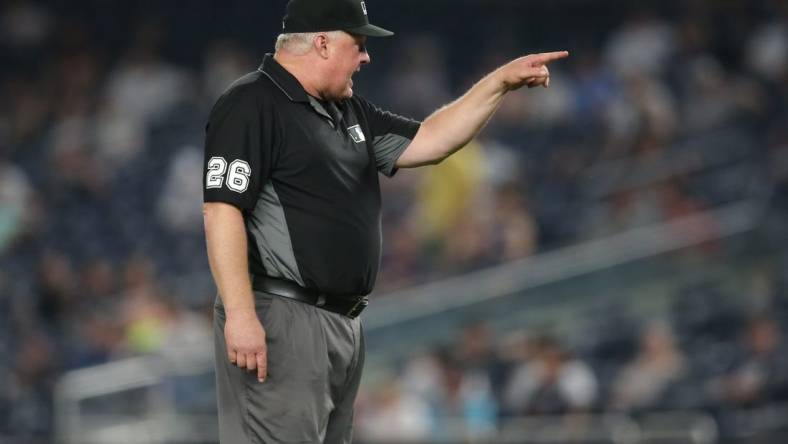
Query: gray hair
300, 43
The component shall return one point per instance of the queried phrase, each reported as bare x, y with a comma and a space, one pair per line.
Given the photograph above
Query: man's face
348, 53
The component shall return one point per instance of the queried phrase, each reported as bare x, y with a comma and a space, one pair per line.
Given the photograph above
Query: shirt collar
283, 79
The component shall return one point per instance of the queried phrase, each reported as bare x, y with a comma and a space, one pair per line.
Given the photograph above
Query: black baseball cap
330, 15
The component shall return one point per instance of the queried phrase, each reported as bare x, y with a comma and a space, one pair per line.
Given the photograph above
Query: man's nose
365, 58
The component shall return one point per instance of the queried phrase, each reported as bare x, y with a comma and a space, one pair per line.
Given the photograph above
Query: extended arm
453, 126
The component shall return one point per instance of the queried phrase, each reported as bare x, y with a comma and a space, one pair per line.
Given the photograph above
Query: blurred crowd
733, 357
663, 110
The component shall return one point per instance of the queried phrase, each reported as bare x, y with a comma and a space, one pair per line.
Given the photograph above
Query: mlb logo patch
356, 134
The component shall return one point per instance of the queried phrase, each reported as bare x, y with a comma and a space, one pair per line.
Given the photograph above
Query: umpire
292, 218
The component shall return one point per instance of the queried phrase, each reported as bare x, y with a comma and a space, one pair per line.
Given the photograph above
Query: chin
346, 94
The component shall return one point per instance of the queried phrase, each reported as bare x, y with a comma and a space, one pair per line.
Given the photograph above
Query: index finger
546, 57
262, 366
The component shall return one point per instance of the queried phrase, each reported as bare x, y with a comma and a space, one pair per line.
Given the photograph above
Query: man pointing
292, 218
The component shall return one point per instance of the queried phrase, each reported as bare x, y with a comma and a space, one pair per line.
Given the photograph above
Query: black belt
289, 289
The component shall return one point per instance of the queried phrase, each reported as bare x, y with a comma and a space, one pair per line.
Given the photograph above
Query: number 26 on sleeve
237, 178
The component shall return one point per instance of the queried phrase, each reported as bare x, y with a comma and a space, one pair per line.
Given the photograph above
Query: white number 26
237, 178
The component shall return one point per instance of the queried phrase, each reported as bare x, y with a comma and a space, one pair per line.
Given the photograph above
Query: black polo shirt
305, 175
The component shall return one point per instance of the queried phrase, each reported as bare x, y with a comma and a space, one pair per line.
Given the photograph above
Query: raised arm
453, 126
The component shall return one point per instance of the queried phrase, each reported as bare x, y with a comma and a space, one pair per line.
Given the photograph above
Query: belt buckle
357, 308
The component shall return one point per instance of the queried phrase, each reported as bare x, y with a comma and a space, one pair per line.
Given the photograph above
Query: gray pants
315, 358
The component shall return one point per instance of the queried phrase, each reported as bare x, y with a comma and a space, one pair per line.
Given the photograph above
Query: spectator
56, 289
224, 62
25, 25
515, 225
642, 45
551, 383
422, 73
644, 380
760, 374
144, 86
482, 377
451, 191
15, 203
31, 386
98, 282
391, 414
180, 204
767, 50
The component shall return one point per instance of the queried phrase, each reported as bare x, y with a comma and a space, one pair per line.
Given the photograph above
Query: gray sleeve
388, 148
391, 134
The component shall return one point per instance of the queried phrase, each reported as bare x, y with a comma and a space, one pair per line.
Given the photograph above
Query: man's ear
321, 45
